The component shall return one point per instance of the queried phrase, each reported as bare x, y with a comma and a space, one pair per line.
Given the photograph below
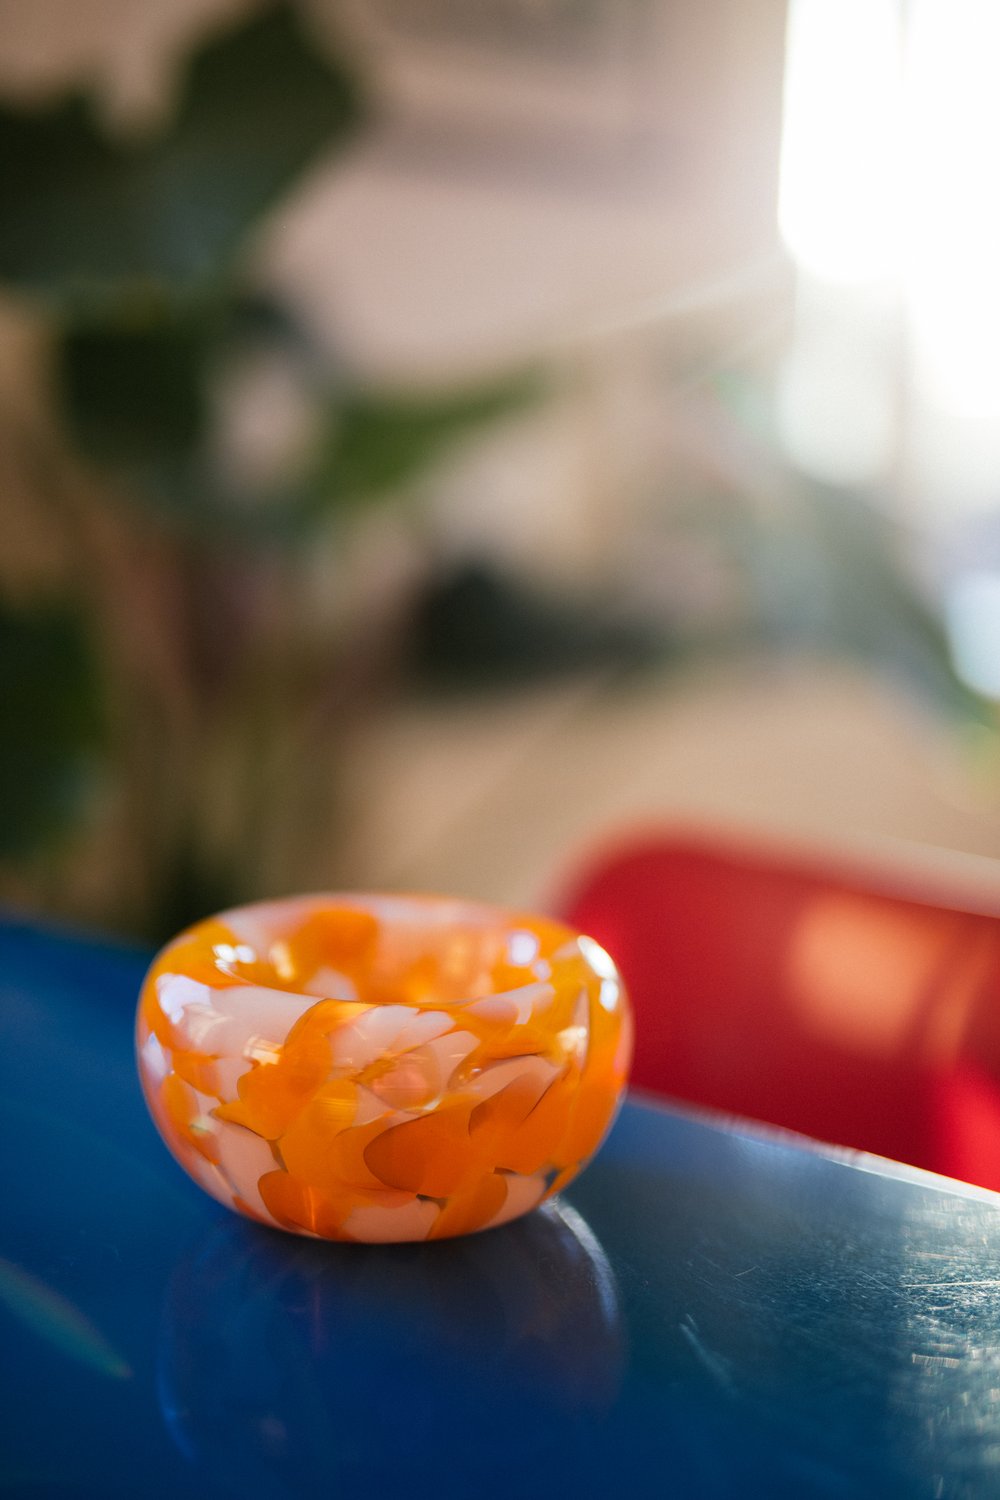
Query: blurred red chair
861, 1010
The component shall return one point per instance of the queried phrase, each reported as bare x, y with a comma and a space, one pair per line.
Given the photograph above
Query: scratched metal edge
793, 1140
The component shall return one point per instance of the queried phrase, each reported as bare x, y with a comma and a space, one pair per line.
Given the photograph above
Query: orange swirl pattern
382, 1067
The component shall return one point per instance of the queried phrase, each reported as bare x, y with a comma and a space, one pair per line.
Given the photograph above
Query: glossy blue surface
704, 1314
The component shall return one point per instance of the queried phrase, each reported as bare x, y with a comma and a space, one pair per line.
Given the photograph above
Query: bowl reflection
283, 1363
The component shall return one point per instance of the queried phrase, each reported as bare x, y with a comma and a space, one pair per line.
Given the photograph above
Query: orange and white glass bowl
382, 1067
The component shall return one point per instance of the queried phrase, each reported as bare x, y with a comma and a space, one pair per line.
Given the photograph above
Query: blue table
705, 1313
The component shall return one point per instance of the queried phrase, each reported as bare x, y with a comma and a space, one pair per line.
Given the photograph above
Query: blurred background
436, 435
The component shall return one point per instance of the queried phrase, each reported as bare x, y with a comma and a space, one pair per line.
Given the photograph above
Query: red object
860, 1009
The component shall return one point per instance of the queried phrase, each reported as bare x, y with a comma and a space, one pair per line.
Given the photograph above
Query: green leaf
133, 392
49, 725
134, 383
380, 443
83, 213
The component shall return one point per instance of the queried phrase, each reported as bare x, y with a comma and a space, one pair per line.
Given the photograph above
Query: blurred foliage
87, 217
137, 394
48, 688
181, 669
185, 688
132, 392
377, 443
